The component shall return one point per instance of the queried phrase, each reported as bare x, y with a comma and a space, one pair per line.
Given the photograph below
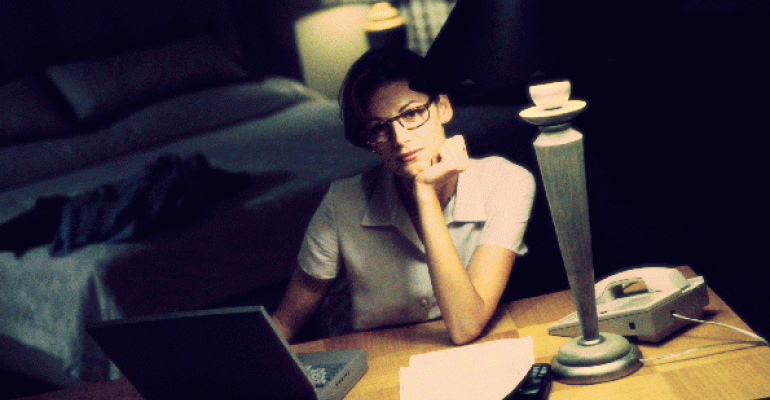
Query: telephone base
580, 363
646, 315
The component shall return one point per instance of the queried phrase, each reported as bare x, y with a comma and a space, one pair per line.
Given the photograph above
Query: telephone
640, 302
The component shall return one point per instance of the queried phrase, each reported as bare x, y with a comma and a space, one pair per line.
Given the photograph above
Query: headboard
37, 33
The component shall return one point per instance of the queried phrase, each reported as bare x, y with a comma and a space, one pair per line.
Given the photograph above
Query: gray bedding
286, 137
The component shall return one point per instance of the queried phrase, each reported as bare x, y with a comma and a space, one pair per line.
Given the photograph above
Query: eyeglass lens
410, 119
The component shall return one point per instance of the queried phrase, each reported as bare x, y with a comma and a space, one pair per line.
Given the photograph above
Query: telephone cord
745, 332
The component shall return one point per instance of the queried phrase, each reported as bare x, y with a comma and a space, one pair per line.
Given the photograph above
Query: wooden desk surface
723, 372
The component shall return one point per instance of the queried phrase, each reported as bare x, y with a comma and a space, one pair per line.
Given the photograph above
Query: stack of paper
479, 371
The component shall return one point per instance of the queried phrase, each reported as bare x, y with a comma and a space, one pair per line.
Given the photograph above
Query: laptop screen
227, 353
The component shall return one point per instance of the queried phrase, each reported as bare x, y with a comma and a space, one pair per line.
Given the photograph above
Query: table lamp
385, 26
498, 45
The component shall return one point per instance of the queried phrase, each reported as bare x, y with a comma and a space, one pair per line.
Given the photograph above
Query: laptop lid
227, 353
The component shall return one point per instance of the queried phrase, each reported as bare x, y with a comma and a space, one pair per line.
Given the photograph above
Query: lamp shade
491, 45
328, 42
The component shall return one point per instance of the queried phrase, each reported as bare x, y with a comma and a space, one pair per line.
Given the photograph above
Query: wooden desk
724, 372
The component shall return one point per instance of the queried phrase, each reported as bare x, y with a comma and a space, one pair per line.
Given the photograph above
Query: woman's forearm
302, 297
463, 310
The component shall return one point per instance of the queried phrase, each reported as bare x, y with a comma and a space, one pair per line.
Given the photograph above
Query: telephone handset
640, 302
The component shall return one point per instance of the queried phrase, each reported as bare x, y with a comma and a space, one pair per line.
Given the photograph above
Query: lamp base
607, 358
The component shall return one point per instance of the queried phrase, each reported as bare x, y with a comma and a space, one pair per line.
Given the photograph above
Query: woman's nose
401, 135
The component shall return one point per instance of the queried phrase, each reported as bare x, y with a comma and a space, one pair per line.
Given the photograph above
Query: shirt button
424, 303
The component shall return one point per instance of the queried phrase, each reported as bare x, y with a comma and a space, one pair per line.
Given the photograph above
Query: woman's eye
380, 128
410, 114
377, 132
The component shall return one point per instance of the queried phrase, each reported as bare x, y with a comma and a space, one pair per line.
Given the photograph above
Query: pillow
27, 113
198, 113
106, 87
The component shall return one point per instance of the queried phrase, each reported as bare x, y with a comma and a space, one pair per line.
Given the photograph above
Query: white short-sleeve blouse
361, 227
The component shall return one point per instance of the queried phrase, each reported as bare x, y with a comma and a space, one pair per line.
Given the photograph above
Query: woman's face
407, 152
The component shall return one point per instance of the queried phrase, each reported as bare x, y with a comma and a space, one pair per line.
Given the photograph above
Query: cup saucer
539, 116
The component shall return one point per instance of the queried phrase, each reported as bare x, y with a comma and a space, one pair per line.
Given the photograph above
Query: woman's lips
410, 156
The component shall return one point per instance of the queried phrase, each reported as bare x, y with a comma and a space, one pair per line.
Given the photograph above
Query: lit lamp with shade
332, 38
494, 46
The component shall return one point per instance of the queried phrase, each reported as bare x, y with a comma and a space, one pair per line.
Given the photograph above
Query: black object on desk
536, 385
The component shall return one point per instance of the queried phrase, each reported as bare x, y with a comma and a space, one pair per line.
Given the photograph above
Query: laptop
224, 353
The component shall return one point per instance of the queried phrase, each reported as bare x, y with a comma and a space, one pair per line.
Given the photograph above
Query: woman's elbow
466, 335
461, 340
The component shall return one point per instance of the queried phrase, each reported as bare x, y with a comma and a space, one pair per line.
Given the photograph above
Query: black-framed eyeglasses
379, 133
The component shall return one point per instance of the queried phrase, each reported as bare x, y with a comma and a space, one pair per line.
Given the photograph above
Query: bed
240, 243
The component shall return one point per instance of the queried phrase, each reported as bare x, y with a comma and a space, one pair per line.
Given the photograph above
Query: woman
432, 234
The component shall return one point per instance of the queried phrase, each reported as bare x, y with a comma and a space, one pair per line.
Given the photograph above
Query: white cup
550, 96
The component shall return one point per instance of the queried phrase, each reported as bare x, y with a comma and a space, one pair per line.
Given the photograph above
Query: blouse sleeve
319, 254
508, 206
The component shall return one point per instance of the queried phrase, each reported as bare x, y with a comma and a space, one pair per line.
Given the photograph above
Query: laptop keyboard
320, 375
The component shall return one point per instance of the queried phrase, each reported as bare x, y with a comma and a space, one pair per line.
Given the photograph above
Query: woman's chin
404, 172
408, 169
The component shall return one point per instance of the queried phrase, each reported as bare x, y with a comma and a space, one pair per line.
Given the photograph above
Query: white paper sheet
485, 371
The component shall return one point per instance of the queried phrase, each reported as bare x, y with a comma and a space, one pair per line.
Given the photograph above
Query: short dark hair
373, 69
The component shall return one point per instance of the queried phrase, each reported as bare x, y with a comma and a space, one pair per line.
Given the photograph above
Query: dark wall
266, 32
677, 100
38, 33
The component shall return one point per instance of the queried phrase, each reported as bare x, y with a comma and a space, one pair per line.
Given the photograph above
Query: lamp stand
593, 357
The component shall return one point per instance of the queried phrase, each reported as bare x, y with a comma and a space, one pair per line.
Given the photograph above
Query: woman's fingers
453, 159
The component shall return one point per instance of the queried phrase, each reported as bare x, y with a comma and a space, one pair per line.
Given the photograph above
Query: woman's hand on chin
452, 159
